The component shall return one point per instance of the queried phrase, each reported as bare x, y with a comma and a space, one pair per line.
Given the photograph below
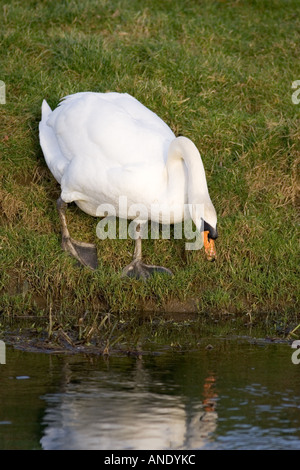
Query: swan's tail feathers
55, 160
46, 110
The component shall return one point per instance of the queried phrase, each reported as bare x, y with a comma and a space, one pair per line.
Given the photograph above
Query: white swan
100, 146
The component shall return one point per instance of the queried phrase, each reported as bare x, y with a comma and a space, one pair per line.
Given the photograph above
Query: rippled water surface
239, 394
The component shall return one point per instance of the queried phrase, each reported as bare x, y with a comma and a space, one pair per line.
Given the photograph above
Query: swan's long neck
184, 150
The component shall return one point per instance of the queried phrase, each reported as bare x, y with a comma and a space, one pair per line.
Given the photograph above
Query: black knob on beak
212, 232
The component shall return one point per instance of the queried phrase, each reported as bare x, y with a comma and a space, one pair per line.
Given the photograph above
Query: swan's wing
111, 145
110, 126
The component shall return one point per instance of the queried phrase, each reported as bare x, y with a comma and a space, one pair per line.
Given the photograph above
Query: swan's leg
137, 268
85, 253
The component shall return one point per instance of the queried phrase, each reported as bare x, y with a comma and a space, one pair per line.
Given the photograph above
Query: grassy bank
218, 72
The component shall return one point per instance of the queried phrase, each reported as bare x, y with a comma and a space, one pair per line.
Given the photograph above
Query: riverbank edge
135, 334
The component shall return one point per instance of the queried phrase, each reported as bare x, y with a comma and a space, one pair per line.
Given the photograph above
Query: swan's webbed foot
138, 270
85, 253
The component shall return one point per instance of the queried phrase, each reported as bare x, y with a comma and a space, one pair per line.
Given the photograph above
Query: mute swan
101, 146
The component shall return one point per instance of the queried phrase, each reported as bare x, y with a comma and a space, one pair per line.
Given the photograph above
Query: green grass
219, 72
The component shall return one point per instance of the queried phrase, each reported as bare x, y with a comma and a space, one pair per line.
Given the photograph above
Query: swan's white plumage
100, 146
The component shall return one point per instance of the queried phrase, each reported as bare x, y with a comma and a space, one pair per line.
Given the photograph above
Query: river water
235, 393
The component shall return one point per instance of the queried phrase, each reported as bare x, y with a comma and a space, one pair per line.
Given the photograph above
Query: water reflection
129, 409
237, 395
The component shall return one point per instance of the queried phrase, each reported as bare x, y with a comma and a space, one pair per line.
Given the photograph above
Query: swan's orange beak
209, 246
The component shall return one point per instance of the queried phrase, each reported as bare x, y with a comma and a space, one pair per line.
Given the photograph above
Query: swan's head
210, 221
210, 232
205, 218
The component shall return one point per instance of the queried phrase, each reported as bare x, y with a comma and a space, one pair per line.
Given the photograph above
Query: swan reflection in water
119, 410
